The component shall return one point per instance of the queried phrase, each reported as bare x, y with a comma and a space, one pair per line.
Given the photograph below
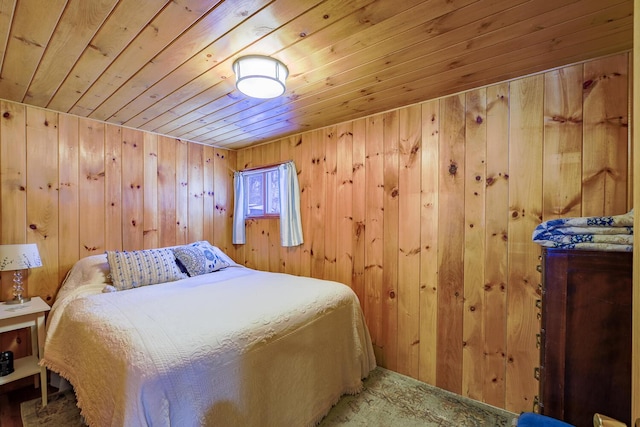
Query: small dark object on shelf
6, 363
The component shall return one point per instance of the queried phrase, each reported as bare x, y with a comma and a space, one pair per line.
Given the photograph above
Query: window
269, 192
262, 193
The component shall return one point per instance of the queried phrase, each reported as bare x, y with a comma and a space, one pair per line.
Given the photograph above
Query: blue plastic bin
531, 419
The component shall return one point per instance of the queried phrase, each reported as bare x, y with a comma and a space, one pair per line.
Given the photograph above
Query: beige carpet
388, 399
61, 410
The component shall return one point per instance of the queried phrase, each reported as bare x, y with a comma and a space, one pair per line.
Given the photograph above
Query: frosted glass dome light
260, 76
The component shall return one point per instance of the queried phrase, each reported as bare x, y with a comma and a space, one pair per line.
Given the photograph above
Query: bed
231, 347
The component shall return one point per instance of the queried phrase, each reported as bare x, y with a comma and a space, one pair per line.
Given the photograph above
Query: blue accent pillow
200, 258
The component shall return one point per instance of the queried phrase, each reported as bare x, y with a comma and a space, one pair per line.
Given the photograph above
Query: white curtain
290, 221
239, 234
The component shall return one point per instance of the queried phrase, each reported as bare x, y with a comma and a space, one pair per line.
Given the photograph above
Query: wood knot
453, 169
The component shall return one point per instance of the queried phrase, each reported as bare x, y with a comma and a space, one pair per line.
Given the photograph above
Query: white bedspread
237, 347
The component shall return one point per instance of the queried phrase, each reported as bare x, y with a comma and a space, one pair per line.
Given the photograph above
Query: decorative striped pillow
140, 268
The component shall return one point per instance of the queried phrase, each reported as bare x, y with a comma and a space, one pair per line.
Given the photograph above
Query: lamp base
17, 300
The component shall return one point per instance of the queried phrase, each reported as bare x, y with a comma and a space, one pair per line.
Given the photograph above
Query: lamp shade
260, 76
19, 257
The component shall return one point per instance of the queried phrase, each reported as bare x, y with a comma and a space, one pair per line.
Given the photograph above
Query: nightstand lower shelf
28, 315
23, 367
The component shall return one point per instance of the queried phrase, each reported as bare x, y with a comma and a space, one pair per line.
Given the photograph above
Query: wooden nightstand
27, 315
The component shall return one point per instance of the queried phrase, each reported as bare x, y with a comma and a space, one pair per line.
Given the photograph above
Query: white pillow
140, 268
90, 270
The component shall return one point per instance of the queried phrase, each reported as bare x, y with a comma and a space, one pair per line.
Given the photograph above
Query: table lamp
17, 258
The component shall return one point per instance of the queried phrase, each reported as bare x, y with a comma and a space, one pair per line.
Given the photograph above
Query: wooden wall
427, 213
78, 187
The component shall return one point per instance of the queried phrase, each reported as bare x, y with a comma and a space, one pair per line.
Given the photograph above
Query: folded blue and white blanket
605, 233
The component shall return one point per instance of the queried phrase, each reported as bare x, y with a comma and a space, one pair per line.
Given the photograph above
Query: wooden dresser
585, 339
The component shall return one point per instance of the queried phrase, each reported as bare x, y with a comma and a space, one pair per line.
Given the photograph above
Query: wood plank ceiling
165, 66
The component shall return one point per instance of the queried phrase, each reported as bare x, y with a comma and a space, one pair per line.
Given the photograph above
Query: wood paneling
496, 241
196, 193
451, 169
223, 198
77, 187
373, 233
331, 212
92, 188
150, 235
444, 198
429, 241
113, 187
344, 209
166, 66
359, 208
426, 211
13, 184
132, 189
474, 330
409, 179
42, 198
167, 191
606, 101
208, 195
390, 215
182, 192
69, 193
317, 188
526, 131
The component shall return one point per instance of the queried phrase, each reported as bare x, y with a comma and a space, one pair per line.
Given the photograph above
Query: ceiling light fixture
260, 76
